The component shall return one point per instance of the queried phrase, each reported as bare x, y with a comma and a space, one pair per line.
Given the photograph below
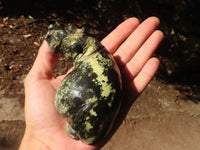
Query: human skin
131, 44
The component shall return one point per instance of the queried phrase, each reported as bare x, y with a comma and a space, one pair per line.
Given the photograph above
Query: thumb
45, 61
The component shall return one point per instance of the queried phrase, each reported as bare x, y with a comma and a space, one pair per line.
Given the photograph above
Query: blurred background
175, 88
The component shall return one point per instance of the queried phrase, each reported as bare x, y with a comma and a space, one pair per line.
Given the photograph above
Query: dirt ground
166, 116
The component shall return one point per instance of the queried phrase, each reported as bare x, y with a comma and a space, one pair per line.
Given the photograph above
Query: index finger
113, 40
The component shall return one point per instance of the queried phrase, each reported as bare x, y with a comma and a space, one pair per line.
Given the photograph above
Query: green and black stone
89, 96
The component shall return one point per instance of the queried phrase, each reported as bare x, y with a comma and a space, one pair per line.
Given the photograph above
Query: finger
45, 61
119, 34
127, 50
145, 76
134, 66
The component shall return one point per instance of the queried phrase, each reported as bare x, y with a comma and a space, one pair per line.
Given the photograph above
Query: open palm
132, 45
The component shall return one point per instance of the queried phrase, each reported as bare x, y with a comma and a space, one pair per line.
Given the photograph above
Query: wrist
30, 141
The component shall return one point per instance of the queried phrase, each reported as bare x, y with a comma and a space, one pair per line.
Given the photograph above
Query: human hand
131, 44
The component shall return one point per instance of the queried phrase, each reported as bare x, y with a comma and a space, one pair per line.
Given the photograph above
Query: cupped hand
131, 44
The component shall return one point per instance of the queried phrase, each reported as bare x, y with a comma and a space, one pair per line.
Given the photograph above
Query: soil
166, 115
